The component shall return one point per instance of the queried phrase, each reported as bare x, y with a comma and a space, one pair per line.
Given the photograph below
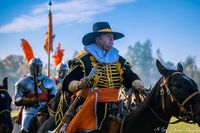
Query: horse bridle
183, 112
4, 110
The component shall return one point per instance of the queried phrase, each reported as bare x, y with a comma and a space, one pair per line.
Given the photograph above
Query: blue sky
171, 25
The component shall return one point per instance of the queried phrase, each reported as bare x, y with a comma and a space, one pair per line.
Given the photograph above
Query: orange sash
85, 119
104, 94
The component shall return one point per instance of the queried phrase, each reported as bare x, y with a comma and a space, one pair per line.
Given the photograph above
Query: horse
174, 94
5, 108
45, 119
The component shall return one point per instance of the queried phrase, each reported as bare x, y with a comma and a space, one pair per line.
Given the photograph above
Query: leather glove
138, 84
34, 100
29, 101
84, 83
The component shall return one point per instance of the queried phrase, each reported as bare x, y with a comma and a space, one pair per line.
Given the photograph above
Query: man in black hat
102, 68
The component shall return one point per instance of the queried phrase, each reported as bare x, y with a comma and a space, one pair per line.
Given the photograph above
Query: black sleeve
75, 73
128, 75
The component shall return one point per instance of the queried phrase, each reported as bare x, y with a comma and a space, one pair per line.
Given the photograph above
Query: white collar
103, 56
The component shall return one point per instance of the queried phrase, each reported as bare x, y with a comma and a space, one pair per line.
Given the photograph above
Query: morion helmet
61, 70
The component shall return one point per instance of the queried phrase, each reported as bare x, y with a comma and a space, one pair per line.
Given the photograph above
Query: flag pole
50, 38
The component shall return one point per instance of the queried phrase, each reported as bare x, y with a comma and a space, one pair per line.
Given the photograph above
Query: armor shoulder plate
47, 82
25, 84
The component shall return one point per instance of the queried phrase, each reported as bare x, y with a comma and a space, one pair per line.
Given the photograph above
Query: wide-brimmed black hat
100, 28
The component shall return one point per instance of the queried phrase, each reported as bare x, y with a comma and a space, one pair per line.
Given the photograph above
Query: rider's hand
27, 101
84, 83
78, 85
138, 84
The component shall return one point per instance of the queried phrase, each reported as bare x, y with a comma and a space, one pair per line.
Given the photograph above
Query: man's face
105, 41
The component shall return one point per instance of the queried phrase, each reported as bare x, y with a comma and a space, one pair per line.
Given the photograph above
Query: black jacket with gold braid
110, 75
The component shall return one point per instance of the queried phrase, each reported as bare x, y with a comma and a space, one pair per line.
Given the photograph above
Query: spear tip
50, 3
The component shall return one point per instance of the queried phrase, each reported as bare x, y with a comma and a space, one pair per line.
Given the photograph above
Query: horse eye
2, 95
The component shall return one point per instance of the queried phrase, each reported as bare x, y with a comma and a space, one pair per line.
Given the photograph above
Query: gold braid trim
110, 75
120, 70
104, 117
51, 112
59, 113
82, 65
96, 77
93, 61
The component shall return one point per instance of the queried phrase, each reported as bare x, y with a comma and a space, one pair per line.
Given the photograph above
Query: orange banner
48, 45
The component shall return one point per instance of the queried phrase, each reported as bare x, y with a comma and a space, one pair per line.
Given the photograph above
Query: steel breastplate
26, 84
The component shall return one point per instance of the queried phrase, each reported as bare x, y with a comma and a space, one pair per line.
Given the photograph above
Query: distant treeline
141, 58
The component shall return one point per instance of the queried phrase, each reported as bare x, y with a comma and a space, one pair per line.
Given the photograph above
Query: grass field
182, 127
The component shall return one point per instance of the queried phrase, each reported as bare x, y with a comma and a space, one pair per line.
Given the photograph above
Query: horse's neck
159, 115
147, 121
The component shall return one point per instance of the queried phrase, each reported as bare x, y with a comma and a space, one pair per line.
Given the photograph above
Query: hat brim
90, 37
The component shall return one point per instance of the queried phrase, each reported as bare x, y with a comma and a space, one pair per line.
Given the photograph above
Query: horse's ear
179, 67
161, 68
5, 83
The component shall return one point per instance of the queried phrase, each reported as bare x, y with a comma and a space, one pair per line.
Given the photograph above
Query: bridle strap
173, 98
174, 122
189, 97
164, 88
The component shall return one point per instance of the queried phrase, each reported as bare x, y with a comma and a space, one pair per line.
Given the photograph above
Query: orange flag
58, 55
48, 45
28, 52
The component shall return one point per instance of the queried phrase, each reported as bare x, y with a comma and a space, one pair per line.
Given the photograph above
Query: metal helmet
61, 70
35, 64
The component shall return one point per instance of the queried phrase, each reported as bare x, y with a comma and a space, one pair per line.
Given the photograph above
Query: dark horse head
174, 94
5, 109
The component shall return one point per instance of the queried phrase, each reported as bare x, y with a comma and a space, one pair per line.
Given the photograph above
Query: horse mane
146, 102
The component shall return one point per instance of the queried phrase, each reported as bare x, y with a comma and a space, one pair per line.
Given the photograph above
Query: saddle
121, 109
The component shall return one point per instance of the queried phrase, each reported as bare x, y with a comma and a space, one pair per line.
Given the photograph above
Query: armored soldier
33, 91
112, 71
61, 71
